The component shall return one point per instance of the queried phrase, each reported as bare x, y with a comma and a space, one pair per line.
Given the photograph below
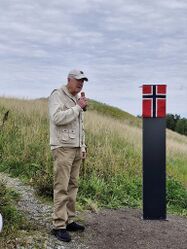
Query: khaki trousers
67, 163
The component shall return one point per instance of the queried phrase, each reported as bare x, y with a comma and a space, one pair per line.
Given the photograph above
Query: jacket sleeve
57, 115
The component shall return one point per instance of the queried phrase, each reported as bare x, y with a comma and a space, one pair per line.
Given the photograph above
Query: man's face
75, 86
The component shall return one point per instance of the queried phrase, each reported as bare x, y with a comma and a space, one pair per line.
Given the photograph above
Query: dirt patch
124, 228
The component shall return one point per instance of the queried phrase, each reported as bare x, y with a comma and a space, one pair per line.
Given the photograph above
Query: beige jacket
66, 120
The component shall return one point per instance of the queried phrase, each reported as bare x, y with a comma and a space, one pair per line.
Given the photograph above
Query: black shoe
62, 234
73, 227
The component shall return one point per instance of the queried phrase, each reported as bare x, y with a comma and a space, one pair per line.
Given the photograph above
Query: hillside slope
112, 174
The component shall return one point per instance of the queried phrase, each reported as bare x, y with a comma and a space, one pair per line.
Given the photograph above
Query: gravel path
41, 215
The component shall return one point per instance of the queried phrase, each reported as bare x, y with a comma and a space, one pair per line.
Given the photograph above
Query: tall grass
113, 147
177, 156
112, 174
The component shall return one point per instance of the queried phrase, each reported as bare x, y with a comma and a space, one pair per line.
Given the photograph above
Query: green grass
13, 220
176, 197
111, 176
112, 192
177, 166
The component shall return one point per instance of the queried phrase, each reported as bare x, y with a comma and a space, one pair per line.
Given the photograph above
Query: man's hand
83, 155
82, 102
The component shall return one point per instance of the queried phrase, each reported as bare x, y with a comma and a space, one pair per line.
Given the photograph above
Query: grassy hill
112, 174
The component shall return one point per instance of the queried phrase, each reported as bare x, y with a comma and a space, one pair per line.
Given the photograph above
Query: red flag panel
161, 89
161, 108
147, 89
147, 110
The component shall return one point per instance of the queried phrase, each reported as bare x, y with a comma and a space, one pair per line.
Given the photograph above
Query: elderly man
67, 142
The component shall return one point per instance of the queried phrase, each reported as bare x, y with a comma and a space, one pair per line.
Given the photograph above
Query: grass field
112, 174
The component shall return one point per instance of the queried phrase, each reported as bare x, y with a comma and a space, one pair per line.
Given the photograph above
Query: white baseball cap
77, 74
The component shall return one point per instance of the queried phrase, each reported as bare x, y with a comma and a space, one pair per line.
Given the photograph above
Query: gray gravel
40, 214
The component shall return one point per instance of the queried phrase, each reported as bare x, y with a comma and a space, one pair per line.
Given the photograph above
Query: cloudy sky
119, 44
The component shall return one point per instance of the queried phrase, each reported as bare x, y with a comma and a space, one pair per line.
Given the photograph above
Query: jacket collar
65, 90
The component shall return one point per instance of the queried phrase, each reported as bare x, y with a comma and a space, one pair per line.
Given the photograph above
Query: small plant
176, 196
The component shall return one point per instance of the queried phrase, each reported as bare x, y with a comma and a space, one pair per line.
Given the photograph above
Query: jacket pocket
72, 134
65, 135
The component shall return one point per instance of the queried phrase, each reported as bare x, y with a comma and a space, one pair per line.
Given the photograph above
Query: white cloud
120, 44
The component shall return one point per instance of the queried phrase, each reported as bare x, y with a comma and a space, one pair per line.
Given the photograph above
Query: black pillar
154, 168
